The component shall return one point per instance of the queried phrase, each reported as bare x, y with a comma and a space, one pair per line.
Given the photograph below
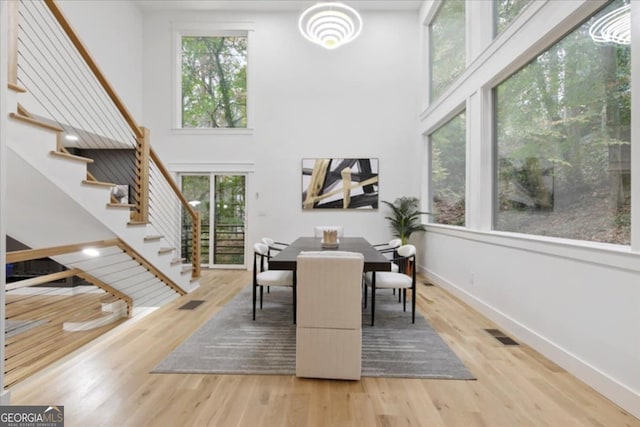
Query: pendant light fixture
330, 24
614, 27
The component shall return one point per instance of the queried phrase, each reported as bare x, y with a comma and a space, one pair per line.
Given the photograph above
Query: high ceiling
271, 5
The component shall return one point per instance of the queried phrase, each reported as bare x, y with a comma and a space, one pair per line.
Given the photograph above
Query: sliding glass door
221, 201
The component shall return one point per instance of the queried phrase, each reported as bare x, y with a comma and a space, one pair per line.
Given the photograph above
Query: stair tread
71, 156
98, 183
35, 122
153, 237
177, 261
165, 250
136, 223
16, 88
121, 205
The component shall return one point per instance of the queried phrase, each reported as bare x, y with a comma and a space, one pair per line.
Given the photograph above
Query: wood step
121, 205
186, 269
154, 238
163, 251
138, 223
23, 111
14, 87
178, 261
98, 183
70, 156
35, 122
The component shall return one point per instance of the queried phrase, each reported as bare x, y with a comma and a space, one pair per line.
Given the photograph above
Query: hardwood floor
108, 382
37, 348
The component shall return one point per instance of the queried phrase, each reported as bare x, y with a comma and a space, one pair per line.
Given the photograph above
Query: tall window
448, 172
447, 48
214, 81
563, 142
505, 11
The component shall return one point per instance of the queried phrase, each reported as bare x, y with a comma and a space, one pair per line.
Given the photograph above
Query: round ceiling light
614, 27
330, 24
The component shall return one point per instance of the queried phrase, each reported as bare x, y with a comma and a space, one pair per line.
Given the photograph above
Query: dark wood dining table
287, 258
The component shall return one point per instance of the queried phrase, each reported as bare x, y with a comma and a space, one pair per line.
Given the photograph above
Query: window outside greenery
229, 219
196, 189
506, 11
563, 142
214, 82
447, 47
448, 172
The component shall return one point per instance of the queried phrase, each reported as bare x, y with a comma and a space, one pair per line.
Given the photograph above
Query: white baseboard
5, 397
611, 388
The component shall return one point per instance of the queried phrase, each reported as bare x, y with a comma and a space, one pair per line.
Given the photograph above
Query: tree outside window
214, 81
506, 11
447, 46
448, 172
563, 142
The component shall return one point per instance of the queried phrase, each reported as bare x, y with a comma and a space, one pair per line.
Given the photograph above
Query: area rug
14, 327
231, 343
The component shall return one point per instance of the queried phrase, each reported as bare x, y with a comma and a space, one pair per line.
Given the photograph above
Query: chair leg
365, 295
261, 289
413, 303
373, 299
268, 289
254, 302
295, 300
404, 299
399, 295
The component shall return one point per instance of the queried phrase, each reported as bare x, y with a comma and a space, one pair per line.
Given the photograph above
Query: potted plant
405, 217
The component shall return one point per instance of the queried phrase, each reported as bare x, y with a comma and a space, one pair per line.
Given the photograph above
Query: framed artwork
339, 184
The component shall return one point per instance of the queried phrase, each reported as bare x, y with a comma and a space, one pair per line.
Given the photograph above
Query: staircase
51, 203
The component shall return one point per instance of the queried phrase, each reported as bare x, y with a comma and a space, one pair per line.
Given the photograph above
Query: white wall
357, 101
112, 31
4, 395
576, 302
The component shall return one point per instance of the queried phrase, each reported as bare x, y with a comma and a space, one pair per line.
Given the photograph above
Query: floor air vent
502, 337
191, 305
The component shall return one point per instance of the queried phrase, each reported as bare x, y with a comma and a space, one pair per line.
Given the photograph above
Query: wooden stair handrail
107, 288
195, 216
31, 254
167, 175
84, 53
41, 280
150, 267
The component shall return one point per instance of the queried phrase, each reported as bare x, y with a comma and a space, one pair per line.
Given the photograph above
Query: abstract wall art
339, 183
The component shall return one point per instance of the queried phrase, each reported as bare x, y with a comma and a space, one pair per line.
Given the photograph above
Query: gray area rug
14, 327
231, 343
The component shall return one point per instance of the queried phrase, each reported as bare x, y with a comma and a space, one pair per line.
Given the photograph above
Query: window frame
215, 29
455, 114
552, 39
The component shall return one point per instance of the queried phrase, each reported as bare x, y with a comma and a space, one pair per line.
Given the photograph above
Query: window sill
222, 131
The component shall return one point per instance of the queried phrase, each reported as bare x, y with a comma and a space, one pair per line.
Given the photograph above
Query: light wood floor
108, 382
39, 347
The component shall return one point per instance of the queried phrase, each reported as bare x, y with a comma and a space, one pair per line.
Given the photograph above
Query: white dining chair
263, 277
318, 230
329, 328
401, 280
